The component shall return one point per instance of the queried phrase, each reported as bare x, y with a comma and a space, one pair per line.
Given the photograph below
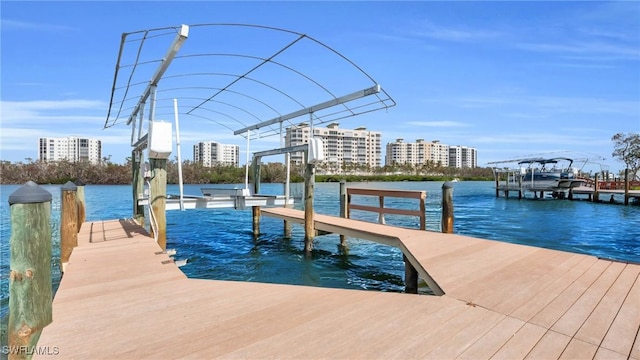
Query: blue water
219, 244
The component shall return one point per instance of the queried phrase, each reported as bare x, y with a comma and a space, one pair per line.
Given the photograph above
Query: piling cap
69, 186
447, 185
29, 193
79, 182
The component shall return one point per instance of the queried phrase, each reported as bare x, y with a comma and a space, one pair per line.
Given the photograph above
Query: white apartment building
359, 146
210, 153
417, 153
71, 148
463, 156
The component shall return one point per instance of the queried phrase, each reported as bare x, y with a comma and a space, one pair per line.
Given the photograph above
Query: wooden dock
122, 298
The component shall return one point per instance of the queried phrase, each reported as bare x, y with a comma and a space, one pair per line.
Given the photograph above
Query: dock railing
346, 206
381, 210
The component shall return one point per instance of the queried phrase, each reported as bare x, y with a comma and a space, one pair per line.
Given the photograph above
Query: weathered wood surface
118, 300
30, 292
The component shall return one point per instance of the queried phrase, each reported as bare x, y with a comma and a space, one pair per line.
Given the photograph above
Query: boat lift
256, 94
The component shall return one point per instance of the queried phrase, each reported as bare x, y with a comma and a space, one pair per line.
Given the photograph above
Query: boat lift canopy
252, 80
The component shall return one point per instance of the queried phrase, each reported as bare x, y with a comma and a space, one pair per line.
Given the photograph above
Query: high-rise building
71, 148
210, 153
417, 153
463, 156
359, 147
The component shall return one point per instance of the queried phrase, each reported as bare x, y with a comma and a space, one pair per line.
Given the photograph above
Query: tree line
108, 173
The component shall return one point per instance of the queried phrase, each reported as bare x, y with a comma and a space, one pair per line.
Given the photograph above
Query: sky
511, 79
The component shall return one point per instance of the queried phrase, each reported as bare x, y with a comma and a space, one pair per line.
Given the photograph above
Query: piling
309, 232
596, 189
30, 290
343, 209
82, 215
447, 208
520, 188
255, 210
626, 186
137, 166
287, 194
410, 277
158, 200
68, 222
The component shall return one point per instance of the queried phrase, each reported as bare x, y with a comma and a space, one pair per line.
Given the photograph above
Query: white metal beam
327, 104
166, 61
285, 150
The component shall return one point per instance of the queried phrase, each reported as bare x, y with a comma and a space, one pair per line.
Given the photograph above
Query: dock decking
120, 299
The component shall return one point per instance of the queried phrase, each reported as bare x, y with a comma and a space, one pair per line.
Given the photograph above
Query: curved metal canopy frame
220, 78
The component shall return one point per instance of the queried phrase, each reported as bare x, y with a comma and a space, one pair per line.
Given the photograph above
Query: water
219, 244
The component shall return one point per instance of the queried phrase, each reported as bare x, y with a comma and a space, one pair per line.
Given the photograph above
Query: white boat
555, 175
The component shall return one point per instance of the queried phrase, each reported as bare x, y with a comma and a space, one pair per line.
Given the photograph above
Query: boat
554, 175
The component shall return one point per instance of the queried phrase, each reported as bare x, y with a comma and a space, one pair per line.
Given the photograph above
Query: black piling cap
29, 193
447, 185
79, 182
69, 186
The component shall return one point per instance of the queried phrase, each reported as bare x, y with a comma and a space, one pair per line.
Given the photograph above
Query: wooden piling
309, 230
626, 186
158, 200
381, 219
68, 222
82, 215
596, 189
410, 277
30, 291
343, 209
287, 193
255, 210
137, 185
520, 187
447, 208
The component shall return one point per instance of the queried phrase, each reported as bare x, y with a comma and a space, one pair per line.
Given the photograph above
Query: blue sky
508, 78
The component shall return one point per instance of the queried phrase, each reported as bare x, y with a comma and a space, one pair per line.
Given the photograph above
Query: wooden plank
450, 272
521, 343
464, 338
627, 322
550, 346
355, 310
377, 347
571, 321
605, 354
382, 210
517, 277
537, 289
417, 346
502, 281
596, 326
551, 312
413, 194
578, 349
491, 342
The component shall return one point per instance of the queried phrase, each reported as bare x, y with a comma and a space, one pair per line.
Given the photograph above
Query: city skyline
507, 78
